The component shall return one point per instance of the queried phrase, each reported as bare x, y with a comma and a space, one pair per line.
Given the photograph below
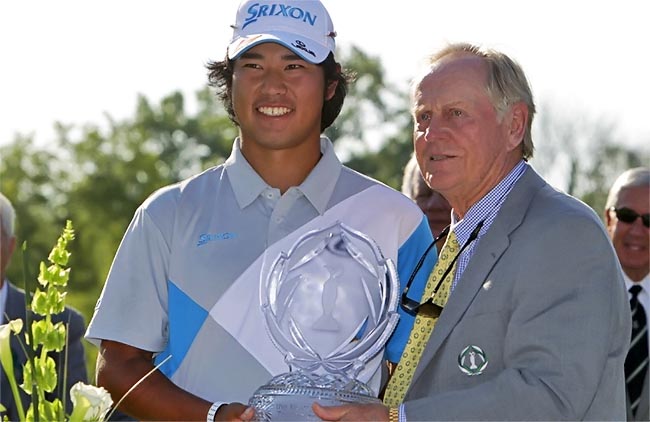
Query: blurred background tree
97, 177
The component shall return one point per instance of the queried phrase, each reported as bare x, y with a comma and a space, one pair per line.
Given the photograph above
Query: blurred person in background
627, 212
433, 204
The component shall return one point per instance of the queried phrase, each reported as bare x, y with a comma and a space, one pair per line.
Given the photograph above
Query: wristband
393, 414
213, 410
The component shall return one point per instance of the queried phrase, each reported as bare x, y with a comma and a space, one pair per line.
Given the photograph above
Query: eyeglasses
629, 216
428, 308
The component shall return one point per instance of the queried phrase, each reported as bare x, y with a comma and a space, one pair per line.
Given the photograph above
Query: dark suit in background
627, 202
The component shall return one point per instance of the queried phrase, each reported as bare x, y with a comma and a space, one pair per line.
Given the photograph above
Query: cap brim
308, 49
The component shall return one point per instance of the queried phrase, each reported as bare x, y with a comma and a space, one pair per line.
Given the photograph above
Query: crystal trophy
329, 305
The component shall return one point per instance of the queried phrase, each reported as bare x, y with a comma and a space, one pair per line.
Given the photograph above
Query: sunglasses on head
628, 215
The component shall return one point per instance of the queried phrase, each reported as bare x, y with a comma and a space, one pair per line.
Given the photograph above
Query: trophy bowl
329, 305
288, 397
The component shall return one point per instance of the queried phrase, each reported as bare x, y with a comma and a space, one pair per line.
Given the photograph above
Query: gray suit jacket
15, 308
544, 299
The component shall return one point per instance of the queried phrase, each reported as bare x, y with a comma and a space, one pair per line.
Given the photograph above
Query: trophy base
275, 402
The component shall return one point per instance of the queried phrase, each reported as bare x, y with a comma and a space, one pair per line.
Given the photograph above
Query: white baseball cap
303, 26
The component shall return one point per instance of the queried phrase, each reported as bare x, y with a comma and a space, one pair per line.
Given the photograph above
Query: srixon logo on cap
256, 11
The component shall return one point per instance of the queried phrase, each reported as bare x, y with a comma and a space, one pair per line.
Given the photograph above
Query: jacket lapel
15, 306
488, 251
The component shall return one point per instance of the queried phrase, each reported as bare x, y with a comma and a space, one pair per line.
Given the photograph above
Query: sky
74, 61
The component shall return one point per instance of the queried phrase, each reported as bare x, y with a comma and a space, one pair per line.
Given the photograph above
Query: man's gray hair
634, 177
506, 85
7, 216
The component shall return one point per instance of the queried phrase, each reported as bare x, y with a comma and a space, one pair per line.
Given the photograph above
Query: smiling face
631, 240
277, 99
462, 146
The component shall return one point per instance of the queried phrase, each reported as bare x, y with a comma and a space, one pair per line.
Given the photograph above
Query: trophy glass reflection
329, 305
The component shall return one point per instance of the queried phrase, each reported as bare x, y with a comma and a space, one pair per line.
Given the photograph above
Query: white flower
91, 403
15, 326
6, 359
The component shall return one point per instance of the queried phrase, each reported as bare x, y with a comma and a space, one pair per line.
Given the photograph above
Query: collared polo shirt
185, 282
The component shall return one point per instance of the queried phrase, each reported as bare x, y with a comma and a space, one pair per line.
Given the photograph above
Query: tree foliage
584, 154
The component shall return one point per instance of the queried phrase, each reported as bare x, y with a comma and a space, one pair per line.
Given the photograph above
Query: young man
185, 283
533, 322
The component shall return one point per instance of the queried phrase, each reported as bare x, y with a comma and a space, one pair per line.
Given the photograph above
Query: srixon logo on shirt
211, 237
256, 11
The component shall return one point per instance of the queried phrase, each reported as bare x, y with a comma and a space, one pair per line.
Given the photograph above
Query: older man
523, 317
627, 212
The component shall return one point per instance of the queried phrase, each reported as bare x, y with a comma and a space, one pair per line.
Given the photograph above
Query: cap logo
256, 11
301, 45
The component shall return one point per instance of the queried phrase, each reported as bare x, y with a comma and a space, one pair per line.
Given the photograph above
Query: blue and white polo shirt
185, 280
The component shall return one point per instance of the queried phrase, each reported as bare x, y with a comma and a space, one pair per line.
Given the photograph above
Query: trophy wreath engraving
329, 305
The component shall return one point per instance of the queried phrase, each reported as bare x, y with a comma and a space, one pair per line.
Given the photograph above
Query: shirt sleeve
132, 308
407, 258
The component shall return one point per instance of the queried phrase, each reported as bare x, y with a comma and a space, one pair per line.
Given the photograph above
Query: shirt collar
247, 185
487, 207
3, 299
644, 282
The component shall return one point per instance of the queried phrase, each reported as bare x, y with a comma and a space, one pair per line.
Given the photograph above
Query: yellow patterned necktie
423, 326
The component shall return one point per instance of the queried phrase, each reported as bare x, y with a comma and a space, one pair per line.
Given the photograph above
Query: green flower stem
14, 390
28, 332
79, 410
40, 374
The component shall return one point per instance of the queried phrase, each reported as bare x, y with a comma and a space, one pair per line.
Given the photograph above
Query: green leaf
27, 378
59, 255
50, 411
56, 338
68, 231
43, 275
51, 336
40, 330
58, 276
39, 302
54, 274
49, 302
55, 301
45, 374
